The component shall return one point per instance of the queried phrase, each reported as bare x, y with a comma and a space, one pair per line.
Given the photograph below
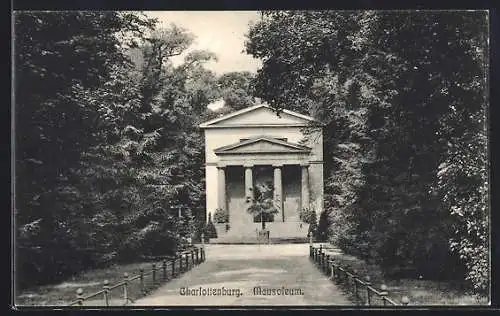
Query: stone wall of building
235, 190
291, 192
259, 122
218, 137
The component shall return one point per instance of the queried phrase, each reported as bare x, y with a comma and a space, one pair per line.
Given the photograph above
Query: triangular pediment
259, 115
262, 144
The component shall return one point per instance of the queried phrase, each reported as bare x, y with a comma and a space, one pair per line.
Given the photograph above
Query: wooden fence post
367, 282
322, 262
79, 296
197, 255
141, 279
106, 290
187, 261
320, 252
347, 269
203, 240
355, 278
125, 284
173, 267
325, 268
164, 267
332, 272
405, 300
180, 263
384, 293
154, 273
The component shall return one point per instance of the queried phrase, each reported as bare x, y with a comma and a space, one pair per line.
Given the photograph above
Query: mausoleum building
256, 144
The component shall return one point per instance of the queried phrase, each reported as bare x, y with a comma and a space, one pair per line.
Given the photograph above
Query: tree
392, 101
165, 137
69, 71
106, 151
236, 89
263, 204
462, 175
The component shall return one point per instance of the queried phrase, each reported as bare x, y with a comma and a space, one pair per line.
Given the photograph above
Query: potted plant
263, 205
308, 216
221, 216
221, 219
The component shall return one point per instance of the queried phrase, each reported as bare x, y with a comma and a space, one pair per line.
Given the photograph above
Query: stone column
249, 194
305, 185
249, 181
222, 188
278, 190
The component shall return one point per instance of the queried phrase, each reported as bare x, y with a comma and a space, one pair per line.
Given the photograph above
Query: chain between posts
348, 276
197, 255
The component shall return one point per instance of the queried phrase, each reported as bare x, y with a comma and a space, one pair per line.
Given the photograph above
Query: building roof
237, 118
262, 144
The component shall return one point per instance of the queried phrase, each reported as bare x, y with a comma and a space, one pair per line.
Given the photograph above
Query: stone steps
280, 232
253, 241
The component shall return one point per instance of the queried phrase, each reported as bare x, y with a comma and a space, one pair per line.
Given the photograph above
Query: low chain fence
363, 291
127, 291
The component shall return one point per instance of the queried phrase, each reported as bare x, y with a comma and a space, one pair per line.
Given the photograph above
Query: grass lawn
419, 291
92, 281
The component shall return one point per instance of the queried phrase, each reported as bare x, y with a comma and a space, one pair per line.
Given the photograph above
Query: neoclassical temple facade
256, 145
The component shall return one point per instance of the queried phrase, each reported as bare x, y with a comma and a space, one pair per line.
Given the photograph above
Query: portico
262, 153
253, 146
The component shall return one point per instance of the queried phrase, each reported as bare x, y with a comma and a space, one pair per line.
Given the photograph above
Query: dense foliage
68, 85
109, 159
403, 98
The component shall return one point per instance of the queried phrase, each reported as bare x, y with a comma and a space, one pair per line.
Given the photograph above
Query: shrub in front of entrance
323, 226
221, 216
313, 225
308, 216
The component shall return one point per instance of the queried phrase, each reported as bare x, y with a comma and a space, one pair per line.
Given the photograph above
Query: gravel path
233, 275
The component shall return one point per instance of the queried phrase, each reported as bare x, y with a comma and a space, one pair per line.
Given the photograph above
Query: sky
221, 32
